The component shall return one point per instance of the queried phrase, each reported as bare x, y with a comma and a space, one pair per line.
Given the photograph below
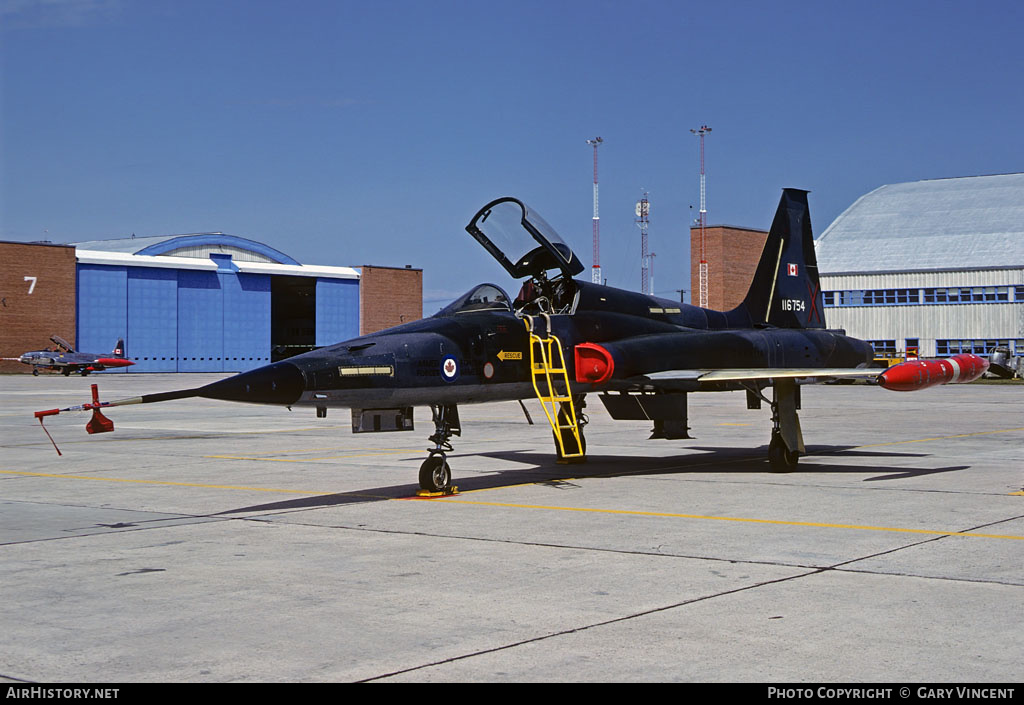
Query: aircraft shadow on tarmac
546, 471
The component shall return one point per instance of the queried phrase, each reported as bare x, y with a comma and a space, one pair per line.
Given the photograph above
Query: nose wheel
435, 474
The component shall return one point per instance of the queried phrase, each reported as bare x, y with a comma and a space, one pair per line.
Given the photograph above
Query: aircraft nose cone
279, 383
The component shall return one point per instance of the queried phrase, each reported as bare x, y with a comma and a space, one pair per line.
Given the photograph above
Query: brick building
389, 296
37, 298
732, 254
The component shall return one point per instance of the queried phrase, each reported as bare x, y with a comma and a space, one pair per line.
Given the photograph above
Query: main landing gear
435, 475
780, 457
787, 441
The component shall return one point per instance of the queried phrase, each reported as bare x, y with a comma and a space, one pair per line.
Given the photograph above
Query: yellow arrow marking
505, 356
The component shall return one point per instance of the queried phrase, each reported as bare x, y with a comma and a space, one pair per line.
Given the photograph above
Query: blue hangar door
152, 339
200, 322
101, 310
223, 321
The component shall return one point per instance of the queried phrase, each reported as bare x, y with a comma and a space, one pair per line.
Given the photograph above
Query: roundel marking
488, 370
449, 368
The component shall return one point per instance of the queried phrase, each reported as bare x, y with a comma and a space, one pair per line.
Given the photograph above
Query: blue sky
351, 133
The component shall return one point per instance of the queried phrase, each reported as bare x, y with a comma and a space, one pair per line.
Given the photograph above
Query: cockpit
526, 246
484, 297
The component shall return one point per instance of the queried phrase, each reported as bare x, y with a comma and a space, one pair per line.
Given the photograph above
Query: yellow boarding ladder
545, 372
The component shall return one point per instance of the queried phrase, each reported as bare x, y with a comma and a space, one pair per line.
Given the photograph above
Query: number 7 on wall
32, 283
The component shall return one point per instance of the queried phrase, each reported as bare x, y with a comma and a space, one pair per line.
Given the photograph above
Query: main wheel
781, 458
435, 475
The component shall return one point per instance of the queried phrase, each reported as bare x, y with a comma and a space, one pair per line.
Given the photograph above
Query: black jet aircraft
562, 338
63, 358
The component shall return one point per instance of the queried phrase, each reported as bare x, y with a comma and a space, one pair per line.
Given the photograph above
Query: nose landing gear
435, 474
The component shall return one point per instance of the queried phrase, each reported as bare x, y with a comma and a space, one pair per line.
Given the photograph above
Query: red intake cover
594, 364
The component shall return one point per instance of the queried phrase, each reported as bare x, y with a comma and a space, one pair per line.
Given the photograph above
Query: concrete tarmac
206, 541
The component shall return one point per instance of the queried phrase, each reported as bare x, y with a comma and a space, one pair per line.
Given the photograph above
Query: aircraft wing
738, 375
762, 373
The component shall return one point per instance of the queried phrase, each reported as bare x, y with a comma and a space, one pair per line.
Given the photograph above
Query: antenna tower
643, 208
703, 268
596, 274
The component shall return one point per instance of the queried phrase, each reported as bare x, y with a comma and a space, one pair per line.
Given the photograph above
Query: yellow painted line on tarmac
728, 423
157, 482
777, 522
311, 460
454, 500
943, 438
342, 449
189, 434
129, 426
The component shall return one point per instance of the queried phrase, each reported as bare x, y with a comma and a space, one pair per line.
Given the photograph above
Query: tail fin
786, 291
119, 348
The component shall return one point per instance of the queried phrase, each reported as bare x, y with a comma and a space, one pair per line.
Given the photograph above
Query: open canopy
524, 244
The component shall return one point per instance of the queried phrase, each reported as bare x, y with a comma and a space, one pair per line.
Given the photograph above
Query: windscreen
483, 297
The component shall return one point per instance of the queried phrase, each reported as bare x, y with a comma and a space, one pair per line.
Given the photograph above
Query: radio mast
703, 267
596, 274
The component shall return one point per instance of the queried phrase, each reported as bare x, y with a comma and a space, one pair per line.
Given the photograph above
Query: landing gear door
524, 244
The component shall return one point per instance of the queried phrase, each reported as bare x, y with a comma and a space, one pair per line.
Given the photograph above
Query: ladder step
551, 363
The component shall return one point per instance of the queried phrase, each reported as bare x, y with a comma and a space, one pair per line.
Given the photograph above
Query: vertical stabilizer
786, 291
119, 348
